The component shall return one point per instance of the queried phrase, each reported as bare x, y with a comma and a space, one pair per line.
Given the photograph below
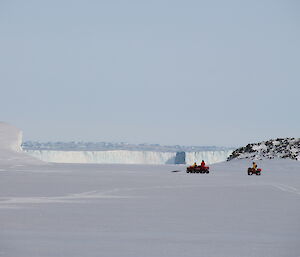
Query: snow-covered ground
51, 210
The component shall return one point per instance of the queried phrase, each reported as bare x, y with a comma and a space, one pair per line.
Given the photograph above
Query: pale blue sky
169, 72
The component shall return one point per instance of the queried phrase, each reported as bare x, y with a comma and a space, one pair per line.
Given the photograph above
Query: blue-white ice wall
125, 156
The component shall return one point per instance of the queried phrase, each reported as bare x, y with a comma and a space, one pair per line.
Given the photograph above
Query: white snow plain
112, 210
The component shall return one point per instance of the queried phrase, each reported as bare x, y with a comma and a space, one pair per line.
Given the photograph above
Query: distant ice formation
109, 146
129, 157
107, 152
115, 156
208, 156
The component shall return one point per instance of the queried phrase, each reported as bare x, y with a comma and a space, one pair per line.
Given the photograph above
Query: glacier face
127, 157
208, 156
116, 156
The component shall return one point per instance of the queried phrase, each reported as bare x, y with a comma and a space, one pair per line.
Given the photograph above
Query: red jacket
202, 164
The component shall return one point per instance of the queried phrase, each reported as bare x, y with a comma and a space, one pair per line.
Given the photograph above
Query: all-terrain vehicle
252, 171
197, 169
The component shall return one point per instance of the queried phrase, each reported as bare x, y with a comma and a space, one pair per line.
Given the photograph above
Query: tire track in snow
6, 202
13, 202
286, 188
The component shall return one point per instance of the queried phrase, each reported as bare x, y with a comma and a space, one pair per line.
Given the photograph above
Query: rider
194, 165
254, 166
202, 164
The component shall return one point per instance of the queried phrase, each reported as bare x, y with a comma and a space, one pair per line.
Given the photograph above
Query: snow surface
92, 210
127, 157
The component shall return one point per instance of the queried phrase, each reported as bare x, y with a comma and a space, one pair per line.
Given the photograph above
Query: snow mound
285, 148
10, 137
10, 147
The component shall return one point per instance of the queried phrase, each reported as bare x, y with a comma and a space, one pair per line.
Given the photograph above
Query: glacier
209, 157
127, 156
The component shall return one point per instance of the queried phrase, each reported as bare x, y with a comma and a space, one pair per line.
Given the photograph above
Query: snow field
148, 210
113, 210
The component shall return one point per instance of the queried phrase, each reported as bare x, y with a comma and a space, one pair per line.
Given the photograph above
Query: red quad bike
252, 171
197, 169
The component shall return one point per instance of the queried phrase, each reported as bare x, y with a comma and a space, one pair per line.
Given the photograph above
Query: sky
190, 72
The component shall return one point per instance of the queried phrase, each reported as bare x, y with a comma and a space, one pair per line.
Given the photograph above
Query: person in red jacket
202, 164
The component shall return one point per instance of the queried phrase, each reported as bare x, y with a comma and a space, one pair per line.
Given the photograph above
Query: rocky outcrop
286, 148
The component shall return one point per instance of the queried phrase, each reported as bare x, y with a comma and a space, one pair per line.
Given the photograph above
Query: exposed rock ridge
286, 148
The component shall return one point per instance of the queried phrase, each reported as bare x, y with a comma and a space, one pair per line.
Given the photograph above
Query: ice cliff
286, 148
110, 146
129, 157
122, 152
208, 156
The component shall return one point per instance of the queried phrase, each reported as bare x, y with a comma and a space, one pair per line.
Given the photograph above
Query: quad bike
197, 169
252, 171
